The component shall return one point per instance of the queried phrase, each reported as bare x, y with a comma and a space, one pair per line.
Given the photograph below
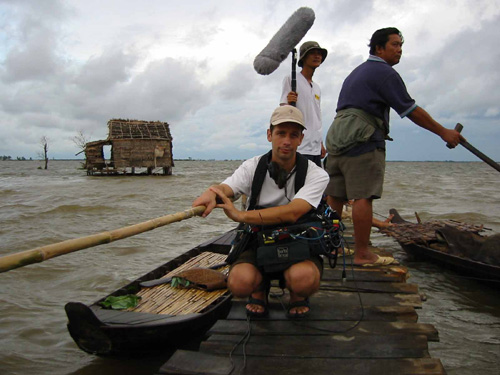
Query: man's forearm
287, 214
423, 119
420, 117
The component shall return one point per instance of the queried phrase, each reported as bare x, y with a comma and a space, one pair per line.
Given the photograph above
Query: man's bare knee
303, 278
243, 280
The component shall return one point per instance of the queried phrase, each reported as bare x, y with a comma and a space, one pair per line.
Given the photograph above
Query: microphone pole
294, 73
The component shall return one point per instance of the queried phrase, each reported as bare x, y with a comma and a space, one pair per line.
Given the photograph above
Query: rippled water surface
39, 207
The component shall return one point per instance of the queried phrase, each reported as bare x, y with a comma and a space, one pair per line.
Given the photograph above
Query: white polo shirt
271, 196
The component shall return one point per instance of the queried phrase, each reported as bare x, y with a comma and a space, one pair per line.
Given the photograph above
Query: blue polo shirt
375, 87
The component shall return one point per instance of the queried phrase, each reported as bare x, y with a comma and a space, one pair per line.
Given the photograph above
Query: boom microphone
284, 41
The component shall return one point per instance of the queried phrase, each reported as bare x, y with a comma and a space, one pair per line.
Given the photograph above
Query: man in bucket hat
308, 99
277, 204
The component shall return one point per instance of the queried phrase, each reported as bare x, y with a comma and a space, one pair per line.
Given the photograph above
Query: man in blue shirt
356, 139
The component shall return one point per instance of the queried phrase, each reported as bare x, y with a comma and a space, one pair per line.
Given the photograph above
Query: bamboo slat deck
366, 324
165, 299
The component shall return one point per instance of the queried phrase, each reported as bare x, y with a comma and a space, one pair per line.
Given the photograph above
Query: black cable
247, 335
349, 289
360, 303
344, 275
356, 287
244, 339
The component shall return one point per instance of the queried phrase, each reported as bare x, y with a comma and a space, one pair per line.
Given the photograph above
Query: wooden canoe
165, 316
484, 272
425, 241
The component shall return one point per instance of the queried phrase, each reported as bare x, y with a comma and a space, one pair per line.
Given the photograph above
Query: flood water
40, 207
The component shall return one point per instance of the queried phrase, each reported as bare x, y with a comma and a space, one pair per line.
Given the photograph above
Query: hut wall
94, 156
141, 153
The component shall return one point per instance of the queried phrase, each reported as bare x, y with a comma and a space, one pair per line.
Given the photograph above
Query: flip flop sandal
381, 261
295, 304
258, 302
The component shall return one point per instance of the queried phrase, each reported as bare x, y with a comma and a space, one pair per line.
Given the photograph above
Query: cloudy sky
70, 66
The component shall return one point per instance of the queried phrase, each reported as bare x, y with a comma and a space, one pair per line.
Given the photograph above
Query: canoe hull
483, 272
97, 337
110, 332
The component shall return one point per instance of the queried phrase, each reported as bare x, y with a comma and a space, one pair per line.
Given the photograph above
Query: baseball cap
287, 113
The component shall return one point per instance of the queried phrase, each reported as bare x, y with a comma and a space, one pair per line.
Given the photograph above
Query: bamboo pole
40, 254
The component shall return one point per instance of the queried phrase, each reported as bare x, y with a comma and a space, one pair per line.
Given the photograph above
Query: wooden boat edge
95, 336
490, 273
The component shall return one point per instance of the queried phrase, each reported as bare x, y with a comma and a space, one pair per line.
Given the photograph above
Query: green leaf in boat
121, 302
179, 282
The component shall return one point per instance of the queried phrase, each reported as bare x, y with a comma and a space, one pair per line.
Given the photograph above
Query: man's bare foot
365, 257
257, 303
300, 309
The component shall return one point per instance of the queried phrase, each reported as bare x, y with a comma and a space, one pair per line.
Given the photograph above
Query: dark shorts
356, 177
250, 256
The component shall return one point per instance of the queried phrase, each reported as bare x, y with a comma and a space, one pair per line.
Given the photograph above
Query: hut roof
136, 129
97, 143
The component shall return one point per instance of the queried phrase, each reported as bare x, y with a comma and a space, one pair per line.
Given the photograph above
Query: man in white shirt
278, 203
308, 100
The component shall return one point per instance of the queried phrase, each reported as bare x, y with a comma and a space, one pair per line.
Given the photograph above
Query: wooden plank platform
365, 324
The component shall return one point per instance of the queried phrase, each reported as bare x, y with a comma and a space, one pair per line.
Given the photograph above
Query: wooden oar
475, 151
42, 253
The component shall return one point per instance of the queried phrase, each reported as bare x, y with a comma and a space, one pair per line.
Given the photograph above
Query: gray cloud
342, 13
55, 80
460, 81
165, 90
49, 94
169, 89
36, 60
240, 81
33, 39
102, 73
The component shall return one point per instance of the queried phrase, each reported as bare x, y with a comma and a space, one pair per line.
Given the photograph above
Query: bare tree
44, 142
81, 140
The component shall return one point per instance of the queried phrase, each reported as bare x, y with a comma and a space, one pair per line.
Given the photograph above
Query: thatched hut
134, 144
